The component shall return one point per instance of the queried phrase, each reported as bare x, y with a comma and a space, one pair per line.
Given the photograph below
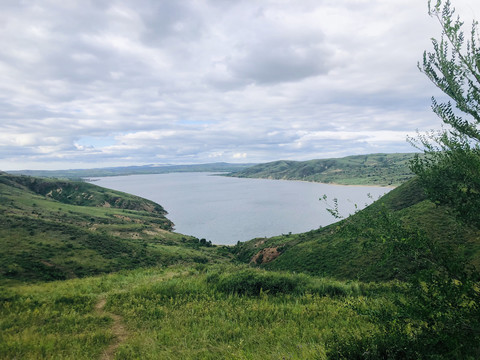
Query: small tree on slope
439, 315
450, 169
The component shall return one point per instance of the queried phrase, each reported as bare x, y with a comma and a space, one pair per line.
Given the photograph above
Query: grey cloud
175, 20
274, 61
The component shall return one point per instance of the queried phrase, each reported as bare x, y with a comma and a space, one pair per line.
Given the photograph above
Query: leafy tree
445, 312
438, 316
450, 169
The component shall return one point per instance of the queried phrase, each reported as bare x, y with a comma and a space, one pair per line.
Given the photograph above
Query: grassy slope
373, 169
188, 313
52, 229
330, 252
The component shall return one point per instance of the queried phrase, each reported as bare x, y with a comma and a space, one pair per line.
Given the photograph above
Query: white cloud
239, 156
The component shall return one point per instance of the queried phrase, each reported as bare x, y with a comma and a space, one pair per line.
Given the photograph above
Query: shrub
252, 282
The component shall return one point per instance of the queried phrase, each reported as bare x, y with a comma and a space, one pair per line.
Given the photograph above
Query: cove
226, 210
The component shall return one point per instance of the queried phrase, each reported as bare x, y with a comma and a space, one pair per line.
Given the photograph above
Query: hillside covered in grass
341, 251
372, 169
51, 229
332, 293
192, 312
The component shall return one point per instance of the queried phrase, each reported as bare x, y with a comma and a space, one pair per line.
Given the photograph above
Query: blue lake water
226, 210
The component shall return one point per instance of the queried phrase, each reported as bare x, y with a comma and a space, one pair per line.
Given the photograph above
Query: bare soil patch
266, 255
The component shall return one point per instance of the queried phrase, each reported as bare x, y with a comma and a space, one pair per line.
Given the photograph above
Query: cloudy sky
95, 83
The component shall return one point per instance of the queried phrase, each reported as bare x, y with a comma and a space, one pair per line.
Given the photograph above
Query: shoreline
316, 182
227, 174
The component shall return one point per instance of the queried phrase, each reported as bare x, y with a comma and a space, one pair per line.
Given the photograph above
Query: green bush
252, 282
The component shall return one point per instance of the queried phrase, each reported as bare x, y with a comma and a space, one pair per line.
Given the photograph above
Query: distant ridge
133, 170
373, 169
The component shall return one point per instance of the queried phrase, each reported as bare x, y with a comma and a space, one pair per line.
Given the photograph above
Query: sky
97, 83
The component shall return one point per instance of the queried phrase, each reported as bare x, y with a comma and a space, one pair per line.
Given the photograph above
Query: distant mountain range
133, 170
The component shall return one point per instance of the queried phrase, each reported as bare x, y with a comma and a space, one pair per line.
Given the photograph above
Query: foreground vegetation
217, 312
190, 313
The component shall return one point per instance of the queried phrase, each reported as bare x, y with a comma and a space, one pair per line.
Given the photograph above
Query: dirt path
117, 328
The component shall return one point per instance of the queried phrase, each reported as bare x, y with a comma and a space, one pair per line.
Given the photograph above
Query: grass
185, 313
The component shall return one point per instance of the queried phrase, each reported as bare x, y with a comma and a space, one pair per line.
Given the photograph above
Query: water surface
226, 210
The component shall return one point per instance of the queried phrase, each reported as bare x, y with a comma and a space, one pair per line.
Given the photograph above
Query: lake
226, 210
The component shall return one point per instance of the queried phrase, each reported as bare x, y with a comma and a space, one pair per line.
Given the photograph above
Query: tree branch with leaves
450, 169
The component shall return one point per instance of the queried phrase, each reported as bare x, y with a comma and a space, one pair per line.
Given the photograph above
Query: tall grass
184, 313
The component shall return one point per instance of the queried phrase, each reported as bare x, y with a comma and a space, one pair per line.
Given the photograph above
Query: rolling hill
372, 169
52, 229
339, 252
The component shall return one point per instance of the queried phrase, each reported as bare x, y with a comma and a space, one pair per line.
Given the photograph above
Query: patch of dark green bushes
253, 282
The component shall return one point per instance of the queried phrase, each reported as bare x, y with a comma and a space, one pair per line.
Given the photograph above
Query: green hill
54, 229
205, 304
372, 169
51, 229
338, 252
